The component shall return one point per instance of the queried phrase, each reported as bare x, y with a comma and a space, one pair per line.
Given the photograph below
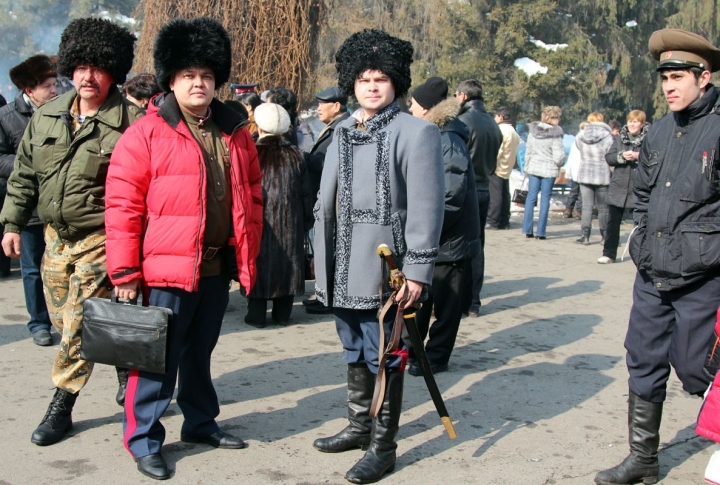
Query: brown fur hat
32, 72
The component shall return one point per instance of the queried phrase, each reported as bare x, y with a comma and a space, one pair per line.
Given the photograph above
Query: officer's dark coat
316, 158
677, 196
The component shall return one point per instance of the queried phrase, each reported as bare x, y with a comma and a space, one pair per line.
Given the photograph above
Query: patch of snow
529, 66
547, 47
119, 17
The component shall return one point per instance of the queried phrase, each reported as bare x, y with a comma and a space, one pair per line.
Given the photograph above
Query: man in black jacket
332, 110
675, 246
460, 236
484, 145
35, 79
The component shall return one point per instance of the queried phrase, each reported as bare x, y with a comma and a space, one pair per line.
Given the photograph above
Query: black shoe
57, 420
319, 309
642, 464
122, 375
529, 236
542, 238
361, 385
42, 338
416, 370
503, 228
153, 466
218, 439
380, 456
490, 227
567, 215
311, 302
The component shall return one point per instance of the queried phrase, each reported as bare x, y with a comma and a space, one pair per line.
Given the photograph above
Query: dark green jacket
61, 176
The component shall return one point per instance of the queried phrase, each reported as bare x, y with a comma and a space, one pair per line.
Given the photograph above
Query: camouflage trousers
72, 271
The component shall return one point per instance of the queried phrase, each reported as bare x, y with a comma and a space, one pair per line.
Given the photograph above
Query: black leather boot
122, 375
361, 384
380, 456
585, 238
57, 420
642, 463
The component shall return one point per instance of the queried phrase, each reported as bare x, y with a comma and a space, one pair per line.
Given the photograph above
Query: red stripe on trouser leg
130, 393
403, 353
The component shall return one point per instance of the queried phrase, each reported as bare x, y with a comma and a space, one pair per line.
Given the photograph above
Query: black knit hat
376, 50
431, 92
99, 43
32, 72
199, 42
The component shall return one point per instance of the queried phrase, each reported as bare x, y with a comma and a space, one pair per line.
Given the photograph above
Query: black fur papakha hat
99, 43
32, 72
200, 42
377, 50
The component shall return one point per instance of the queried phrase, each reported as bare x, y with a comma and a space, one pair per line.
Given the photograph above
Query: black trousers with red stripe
194, 331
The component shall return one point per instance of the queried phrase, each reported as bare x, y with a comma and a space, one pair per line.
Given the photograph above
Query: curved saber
397, 279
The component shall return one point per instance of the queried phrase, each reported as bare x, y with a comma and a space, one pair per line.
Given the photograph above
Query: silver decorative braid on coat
381, 185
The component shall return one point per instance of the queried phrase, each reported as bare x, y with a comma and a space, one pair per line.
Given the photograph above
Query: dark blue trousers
33, 248
359, 332
197, 318
667, 328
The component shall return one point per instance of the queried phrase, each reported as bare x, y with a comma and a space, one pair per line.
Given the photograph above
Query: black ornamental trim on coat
347, 216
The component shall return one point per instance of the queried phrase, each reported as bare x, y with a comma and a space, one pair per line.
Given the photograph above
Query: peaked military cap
679, 49
331, 95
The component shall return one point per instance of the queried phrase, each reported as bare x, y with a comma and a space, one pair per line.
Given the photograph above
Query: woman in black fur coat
287, 215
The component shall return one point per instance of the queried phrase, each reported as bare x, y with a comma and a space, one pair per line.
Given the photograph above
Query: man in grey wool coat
382, 183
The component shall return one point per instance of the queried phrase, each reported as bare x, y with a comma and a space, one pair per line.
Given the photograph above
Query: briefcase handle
114, 299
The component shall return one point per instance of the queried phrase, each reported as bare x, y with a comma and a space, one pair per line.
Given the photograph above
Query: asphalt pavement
537, 389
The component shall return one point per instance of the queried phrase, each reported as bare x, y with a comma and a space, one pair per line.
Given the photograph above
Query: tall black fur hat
32, 72
199, 42
99, 43
377, 50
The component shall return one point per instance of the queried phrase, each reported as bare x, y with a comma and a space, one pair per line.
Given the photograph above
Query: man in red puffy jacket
184, 201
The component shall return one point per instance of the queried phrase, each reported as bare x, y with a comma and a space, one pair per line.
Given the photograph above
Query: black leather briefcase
125, 335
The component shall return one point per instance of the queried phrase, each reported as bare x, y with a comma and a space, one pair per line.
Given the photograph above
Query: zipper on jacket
198, 245
137, 326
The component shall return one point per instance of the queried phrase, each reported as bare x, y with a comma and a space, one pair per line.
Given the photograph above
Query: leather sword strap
392, 346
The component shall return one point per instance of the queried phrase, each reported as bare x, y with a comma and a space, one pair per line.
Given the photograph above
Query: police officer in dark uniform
332, 110
675, 246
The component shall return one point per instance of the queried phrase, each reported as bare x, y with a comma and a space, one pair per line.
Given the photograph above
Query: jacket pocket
94, 165
98, 202
43, 148
636, 243
700, 245
652, 166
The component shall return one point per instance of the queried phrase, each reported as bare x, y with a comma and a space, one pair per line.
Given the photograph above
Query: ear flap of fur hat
96, 42
200, 42
377, 50
272, 118
32, 72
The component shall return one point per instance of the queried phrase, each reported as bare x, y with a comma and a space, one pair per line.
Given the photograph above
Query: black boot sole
371, 480
52, 442
645, 481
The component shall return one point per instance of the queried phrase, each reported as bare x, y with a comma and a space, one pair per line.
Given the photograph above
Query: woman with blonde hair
593, 173
544, 155
623, 155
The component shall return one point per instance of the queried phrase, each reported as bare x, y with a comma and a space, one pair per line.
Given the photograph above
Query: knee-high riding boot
642, 463
361, 384
380, 456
